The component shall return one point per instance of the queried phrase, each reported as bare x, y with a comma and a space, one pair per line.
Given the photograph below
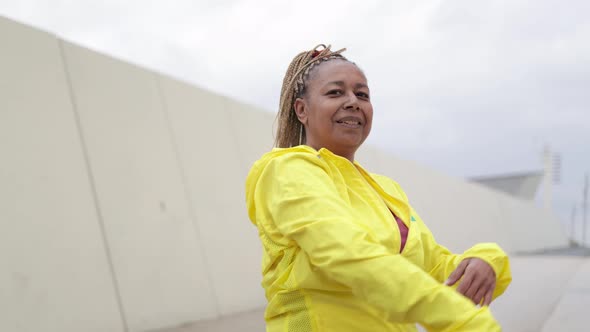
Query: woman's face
336, 109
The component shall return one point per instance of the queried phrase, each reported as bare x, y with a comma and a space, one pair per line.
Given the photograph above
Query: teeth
350, 122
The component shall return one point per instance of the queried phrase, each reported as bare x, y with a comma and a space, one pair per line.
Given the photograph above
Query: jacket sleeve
440, 262
295, 193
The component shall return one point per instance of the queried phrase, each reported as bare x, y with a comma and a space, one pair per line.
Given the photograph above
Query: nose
352, 102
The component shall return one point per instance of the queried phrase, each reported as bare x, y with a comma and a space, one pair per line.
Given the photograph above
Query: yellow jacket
332, 257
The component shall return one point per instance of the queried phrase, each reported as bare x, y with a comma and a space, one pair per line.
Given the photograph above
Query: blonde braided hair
290, 131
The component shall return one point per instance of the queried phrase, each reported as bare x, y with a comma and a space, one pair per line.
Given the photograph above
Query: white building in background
521, 185
123, 195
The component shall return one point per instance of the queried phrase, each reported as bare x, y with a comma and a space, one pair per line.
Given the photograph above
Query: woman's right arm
296, 192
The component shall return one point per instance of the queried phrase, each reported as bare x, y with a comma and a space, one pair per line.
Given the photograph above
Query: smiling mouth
350, 123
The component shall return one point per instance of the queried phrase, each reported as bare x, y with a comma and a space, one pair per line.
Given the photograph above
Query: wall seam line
187, 192
94, 191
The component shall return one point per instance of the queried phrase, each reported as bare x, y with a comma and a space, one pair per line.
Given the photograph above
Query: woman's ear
301, 110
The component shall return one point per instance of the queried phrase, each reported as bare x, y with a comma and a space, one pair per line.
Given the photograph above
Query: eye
335, 92
362, 95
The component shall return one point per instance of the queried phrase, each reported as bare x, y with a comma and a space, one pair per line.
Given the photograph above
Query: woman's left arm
482, 272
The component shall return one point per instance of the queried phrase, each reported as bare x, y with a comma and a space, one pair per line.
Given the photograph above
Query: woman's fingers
487, 300
469, 285
478, 280
479, 296
458, 273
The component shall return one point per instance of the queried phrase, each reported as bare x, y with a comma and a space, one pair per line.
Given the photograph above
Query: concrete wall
141, 193
55, 273
123, 195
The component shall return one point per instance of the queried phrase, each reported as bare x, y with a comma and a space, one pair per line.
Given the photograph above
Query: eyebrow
341, 83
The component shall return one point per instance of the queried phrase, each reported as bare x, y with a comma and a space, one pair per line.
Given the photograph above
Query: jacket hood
259, 167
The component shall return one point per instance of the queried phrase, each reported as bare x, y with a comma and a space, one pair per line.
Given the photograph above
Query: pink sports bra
403, 229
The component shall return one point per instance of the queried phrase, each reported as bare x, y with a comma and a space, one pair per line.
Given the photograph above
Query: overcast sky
468, 87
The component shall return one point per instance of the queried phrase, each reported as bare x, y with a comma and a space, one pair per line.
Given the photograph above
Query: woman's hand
478, 280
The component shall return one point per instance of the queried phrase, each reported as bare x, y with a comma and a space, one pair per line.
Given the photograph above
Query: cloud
477, 73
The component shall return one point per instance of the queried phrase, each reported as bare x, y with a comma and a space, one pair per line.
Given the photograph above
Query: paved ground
572, 312
569, 251
252, 321
548, 294
539, 283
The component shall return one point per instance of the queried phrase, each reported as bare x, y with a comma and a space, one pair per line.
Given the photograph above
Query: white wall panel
215, 175
253, 131
368, 157
530, 228
150, 229
54, 273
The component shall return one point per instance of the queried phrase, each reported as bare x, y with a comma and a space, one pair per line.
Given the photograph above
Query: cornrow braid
290, 131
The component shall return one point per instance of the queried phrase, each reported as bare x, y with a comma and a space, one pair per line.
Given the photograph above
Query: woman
343, 248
